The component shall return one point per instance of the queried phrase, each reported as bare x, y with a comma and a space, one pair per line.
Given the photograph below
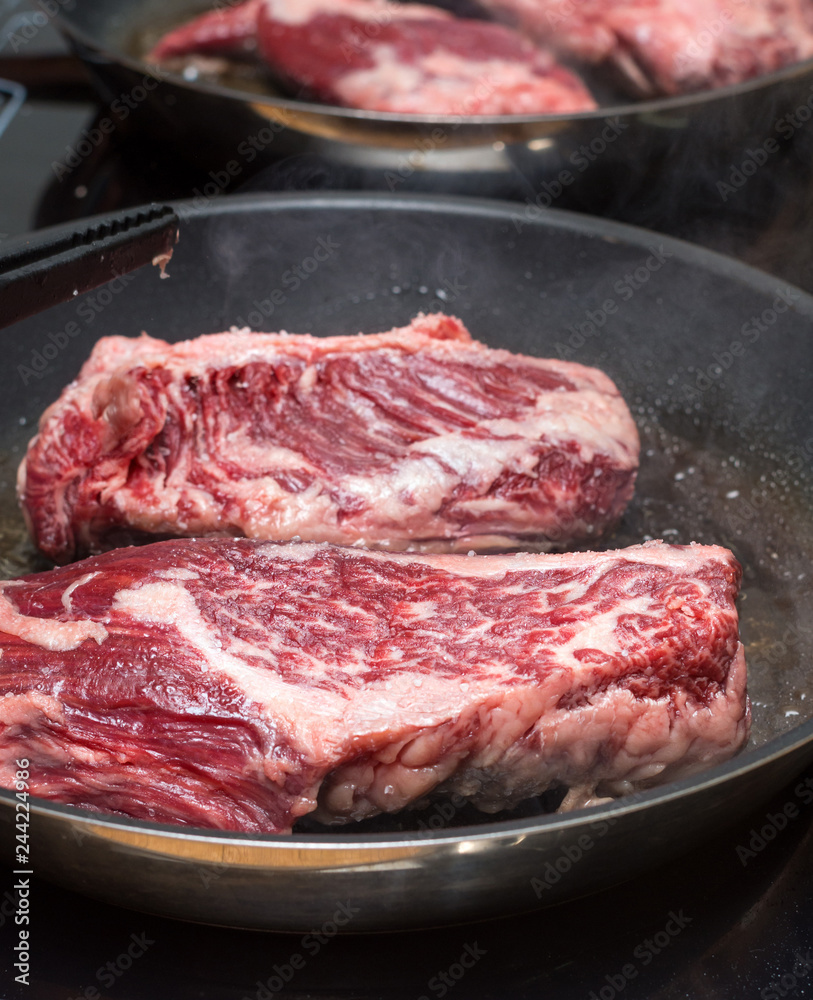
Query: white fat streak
382, 11
349, 609
414, 487
47, 632
318, 722
599, 632
449, 75
171, 604
434, 466
252, 456
443, 62
411, 701
477, 460
600, 423
419, 611
388, 80
159, 512
177, 573
267, 510
28, 709
689, 559
67, 602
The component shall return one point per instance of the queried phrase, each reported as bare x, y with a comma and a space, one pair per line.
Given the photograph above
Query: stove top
733, 920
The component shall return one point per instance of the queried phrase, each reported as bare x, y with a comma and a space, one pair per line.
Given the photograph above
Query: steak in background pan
384, 56
664, 47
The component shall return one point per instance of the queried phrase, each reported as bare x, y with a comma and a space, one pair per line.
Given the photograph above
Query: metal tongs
43, 270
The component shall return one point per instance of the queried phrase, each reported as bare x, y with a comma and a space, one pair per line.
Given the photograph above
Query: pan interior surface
712, 357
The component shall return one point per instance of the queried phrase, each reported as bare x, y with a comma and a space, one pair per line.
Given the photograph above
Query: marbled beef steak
418, 438
240, 685
383, 56
666, 47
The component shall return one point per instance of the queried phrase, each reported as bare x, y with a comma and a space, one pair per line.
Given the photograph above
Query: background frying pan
635, 167
714, 359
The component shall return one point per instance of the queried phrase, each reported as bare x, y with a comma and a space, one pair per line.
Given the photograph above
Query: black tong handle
58, 268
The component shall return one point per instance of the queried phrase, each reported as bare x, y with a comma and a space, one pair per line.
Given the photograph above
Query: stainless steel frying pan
715, 361
623, 155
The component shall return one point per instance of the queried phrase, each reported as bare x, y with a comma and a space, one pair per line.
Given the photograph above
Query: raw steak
382, 56
670, 46
238, 684
229, 30
419, 437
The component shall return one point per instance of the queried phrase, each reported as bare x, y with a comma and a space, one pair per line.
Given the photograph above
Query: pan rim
713, 261
555, 218
485, 832
779, 746
653, 106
